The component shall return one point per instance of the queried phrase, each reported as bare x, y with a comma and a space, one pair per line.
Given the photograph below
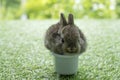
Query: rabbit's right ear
70, 19
63, 20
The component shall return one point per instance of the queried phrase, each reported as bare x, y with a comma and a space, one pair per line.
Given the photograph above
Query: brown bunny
65, 38
74, 41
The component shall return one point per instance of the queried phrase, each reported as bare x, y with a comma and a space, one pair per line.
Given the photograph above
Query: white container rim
65, 56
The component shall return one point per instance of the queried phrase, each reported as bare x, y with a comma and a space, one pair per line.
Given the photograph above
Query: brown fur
65, 38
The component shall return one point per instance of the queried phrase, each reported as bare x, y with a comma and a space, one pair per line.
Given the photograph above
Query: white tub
66, 64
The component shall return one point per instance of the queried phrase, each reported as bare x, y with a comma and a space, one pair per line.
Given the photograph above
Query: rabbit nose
69, 49
72, 49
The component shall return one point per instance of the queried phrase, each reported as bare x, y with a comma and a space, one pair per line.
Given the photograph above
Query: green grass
24, 57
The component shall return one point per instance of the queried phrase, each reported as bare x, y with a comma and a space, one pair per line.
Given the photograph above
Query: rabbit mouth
71, 51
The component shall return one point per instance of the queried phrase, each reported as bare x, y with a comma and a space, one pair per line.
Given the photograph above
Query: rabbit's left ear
63, 20
70, 19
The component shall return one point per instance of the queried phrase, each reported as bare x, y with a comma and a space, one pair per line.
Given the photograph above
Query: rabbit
53, 41
65, 38
73, 39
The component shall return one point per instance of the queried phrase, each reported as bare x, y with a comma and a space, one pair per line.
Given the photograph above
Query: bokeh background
47, 9
23, 24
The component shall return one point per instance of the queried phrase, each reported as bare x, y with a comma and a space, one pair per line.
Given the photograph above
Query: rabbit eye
62, 40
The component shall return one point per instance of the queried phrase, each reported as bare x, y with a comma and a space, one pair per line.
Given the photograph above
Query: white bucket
66, 64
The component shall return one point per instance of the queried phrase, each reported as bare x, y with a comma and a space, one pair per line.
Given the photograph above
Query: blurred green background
47, 9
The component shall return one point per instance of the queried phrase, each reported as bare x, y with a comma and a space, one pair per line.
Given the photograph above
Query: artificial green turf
24, 57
